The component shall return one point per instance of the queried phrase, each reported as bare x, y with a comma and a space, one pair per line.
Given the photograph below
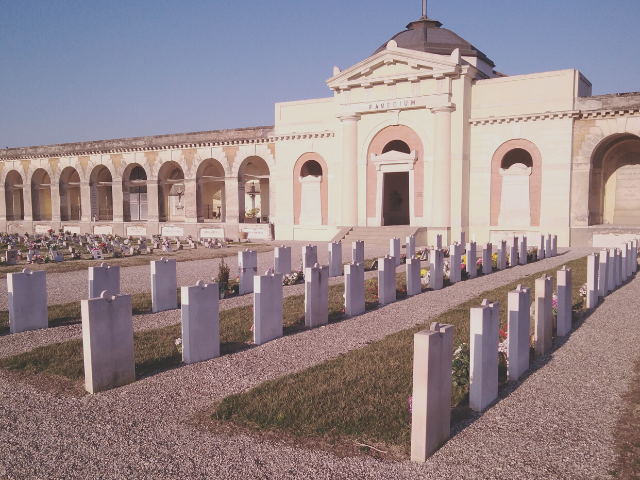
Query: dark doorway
395, 206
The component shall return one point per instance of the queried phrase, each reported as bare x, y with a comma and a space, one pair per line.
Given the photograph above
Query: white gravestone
97, 254
357, 251
502, 255
518, 330
472, 266
547, 246
394, 245
414, 285
461, 239
603, 274
564, 302
267, 308
634, 261
541, 247
436, 272
104, 278
200, 322
11, 257
354, 301
630, 260
386, 280
410, 247
438, 242
487, 264
554, 245
523, 250
624, 266
431, 402
27, 297
335, 259
247, 269
513, 251
543, 315
107, 341
282, 260
483, 357
592, 280
164, 285
618, 267
316, 296
455, 256
309, 256
611, 271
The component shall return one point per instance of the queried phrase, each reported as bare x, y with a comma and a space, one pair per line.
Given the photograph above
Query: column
231, 204
350, 170
190, 201
26, 199
55, 202
117, 199
85, 201
441, 182
3, 206
153, 209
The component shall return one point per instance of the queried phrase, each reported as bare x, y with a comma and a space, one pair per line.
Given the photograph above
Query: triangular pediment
395, 64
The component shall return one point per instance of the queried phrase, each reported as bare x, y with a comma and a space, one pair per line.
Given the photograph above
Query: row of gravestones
432, 359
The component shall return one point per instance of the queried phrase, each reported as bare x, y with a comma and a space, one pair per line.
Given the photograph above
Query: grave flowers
403, 258
460, 365
294, 277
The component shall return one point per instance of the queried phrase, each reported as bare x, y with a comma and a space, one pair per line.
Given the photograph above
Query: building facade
424, 133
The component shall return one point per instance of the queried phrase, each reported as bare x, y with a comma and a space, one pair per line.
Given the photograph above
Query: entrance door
395, 207
138, 204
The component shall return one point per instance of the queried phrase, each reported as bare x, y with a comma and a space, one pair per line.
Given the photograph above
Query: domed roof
425, 35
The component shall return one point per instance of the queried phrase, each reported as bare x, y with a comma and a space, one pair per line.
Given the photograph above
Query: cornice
574, 114
300, 136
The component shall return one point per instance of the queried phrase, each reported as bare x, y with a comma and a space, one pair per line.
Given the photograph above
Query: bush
223, 276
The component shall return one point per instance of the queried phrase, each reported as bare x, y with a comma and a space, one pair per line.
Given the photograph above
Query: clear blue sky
89, 70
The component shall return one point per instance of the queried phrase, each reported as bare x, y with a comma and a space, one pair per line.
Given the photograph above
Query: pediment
396, 64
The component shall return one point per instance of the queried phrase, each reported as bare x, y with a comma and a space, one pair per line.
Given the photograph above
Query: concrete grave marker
436, 269
487, 263
543, 315
414, 284
282, 260
267, 308
462, 239
547, 246
11, 257
335, 259
564, 302
518, 330
394, 245
164, 285
455, 256
611, 271
618, 270
200, 322
592, 280
316, 296
541, 254
431, 403
104, 278
624, 265
357, 251
513, 251
438, 242
354, 301
97, 254
554, 245
502, 255
309, 256
107, 340
27, 298
472, 266
410, 247
386, 280
483, 366
247, 269
523, 250
603, 274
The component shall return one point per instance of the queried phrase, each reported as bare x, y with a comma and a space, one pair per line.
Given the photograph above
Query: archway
100, 184
70, 203
13, 196
210, 191
395, 172
615, 181
516, 185
310, 190
134, 193
253, 188
171, 200
41, 195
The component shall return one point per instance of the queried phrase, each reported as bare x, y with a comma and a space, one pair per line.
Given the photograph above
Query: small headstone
386, 280
27, 298
547, 246
436, 272
335, 259
541, 255
618, 267
593, 262
282, 260
316, 296
502, 255
472, 266
410, 247
104, 278
200, 322
513, 251
611, 271
487, 263
267, 308
11, 257
56, 255
554, 245
354, 300
523, 250
164, 285
603, 274
414, 285
357, 251
543, 315
462, 239
455, 254
309, 256
97, 254
518, 331
394, 245
483, 361
564, 302
438, 242
247, 269
624, 265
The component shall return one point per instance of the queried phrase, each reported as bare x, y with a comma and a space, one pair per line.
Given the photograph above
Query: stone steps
380, 236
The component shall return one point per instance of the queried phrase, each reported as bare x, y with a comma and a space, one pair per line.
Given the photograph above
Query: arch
16, 167
99, 162
100, 185
41, 194
134, 193
513, 152
70, 196
13, 192
308, 160
171, 190
39, 165
396, 137
253, 150
217, 154
614, 190
254, 186
210, 191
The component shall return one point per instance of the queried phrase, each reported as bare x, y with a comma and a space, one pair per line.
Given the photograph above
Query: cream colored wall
304, 116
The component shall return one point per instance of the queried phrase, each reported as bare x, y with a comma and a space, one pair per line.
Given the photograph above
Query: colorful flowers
583, 290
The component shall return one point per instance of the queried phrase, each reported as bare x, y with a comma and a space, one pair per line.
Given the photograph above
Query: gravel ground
557, 423
74, 286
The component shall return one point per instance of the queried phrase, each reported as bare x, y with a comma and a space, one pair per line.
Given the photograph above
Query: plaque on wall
173, 231
42, 228
135, 230
212, 233
103, 230
258, 233
627, 207
72, 228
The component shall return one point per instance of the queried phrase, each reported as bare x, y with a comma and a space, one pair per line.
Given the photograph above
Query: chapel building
425, 136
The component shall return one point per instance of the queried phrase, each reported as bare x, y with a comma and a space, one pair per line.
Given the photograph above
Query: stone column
153, 209
190, 201
117, 199
26, 199
232, 212
55, 202
85, 201
441, 183
350, 170
3, 205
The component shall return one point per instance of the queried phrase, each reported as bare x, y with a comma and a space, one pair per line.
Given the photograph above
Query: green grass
364, 393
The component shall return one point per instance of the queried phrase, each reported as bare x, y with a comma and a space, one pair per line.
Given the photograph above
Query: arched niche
14, 199
210, 192
310, 190
100, 185
134, 193
171, 198
516, 167
41, 195
253, 187
70, 197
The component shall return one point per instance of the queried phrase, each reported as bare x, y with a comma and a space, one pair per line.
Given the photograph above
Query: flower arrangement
583, 290
294, 277
252, 212
494, 260
178, 344
403, 258
554, 304
460, 365
446, 270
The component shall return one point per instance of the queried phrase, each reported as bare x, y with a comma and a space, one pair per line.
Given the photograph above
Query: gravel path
74, 286
556, 424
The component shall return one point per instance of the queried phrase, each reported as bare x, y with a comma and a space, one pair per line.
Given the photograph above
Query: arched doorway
13, 196
516, 185
210, 192
70, 204
310, 190
134, 193
615, 181
253, 188
100, 184
171, 200
41, 195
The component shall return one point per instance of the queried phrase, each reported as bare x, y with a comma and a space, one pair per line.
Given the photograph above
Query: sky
73, 71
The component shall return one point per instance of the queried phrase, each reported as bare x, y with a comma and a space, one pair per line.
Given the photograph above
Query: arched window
396, 146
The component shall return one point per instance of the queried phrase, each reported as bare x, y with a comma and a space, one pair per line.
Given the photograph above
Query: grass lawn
361, 395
